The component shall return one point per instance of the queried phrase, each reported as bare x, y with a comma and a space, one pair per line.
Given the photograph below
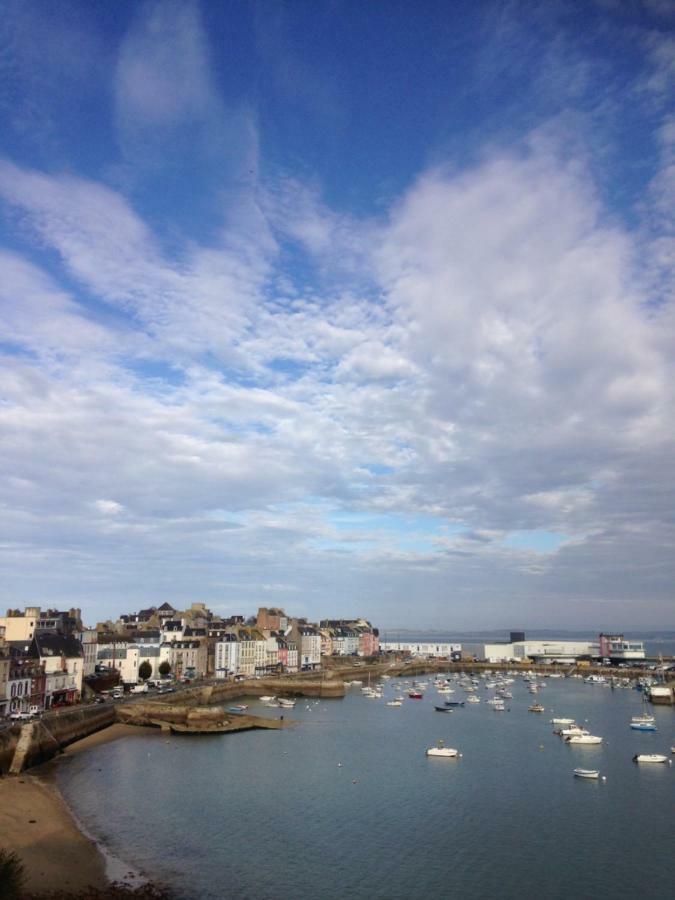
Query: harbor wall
52, 733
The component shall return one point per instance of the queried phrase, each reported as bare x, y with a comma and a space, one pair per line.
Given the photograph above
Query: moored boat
440, 750
583, 739
586, 773
650, 758
443, 709
536, 708
643, 726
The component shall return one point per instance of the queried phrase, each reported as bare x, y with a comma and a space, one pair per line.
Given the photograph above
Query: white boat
285, 703
473, 699
583, 739
446, 752
267, 699
572, 730
394, 703
563, 722
650, 758
644, 719
587, 773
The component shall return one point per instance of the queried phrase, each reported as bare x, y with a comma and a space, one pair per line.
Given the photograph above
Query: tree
144, 670
164, 668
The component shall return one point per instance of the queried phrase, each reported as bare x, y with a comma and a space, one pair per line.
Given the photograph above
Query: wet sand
37, 825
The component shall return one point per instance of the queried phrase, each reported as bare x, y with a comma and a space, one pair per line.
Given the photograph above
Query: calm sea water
271, 814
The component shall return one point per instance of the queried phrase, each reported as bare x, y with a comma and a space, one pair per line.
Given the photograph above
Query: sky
358, 309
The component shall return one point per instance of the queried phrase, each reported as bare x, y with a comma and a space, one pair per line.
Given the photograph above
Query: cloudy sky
352, 308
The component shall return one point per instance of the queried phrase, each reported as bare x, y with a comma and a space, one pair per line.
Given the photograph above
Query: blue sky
343, 307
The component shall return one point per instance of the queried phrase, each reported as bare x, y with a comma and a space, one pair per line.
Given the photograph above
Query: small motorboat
443, 751
394, 703
237, 709
650, 758
285, 703
454, 703
643, 726
587, 773
445, 709
563, 722
583, 739
537, 708
267, 699
415, 695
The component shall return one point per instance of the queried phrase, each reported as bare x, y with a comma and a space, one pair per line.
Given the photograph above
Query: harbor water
346, 803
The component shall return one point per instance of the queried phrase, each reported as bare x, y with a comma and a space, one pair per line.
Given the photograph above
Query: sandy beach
36, 823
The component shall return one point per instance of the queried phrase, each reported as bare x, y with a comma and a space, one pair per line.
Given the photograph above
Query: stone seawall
53, 732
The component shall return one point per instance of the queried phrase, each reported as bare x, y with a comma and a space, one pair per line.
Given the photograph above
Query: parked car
20, 716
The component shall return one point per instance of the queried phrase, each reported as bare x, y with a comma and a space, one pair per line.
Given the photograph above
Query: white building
226, 656
88, 637
537, 651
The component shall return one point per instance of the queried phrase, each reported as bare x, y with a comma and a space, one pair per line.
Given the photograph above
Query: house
4, 673
226, 655
88, 637
26, 683
61, 657
308, 641
187, 658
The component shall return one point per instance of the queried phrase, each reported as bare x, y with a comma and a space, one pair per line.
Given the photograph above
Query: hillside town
49, 659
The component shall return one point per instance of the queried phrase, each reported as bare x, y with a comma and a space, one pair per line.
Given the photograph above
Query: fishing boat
650, 758
587, 773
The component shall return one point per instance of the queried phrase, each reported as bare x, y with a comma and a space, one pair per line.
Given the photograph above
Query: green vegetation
144, 670
164, 668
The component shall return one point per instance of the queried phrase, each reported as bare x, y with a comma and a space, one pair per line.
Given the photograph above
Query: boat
650, 758
587, 773
415, 695
572, 730
583, 739
473, 699
267, 699
237, 709
563, 722
643, 726
284, 703
536, 708
645, 718
454, 703
445, 709
394, 703
443, 751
